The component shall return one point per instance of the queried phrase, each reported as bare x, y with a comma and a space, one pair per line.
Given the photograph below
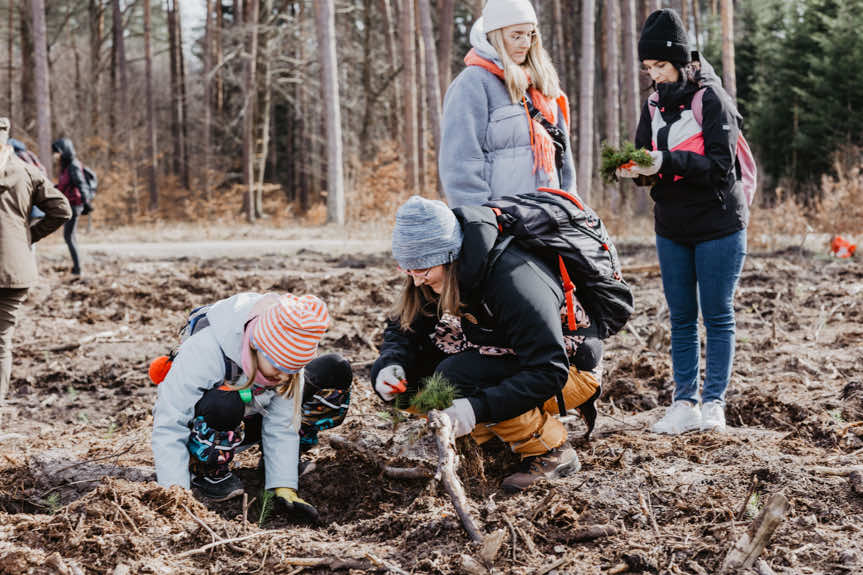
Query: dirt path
80, 392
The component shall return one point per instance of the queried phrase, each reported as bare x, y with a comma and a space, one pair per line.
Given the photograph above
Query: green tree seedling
613, 158
435, 393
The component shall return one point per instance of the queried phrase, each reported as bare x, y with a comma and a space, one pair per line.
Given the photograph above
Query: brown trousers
537, 431
10, 300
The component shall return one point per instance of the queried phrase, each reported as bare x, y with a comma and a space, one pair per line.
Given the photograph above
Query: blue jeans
706, 273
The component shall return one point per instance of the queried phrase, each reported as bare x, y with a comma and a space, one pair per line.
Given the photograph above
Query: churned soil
76, 489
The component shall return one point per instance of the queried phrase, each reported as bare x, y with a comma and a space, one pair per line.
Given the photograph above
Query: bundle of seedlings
626, 155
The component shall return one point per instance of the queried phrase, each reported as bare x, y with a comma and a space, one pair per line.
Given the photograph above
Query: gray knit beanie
427, 234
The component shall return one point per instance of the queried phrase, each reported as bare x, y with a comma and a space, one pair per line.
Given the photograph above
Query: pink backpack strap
697, 106
652, 102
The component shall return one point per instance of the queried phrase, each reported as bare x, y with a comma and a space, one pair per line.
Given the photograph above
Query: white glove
390, 382
634, 170
462, 416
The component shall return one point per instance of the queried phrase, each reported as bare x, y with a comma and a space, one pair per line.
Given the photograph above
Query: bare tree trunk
97, 24
249, 108
264, 106
420, 82
630, 67
122, 79
11, 45
432, 83
28, 66
152, 162
184, 112
208, 100
392, 50
42, 81
80, 105
612, 89
326, 32
302, 121
446, 21
728, 73
409, 96
176, 133
220, 84
559, 42
368, 91
585, 113
696, 16
684, 14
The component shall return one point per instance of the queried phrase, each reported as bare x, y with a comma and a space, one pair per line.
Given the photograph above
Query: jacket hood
480, 43
479, 226
707, 77
66, 149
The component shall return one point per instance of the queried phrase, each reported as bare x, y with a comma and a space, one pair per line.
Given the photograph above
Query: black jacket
517, 301
707, 202
68, 161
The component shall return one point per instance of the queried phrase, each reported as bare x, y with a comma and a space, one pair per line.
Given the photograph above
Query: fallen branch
648, 513
856, 480
419, 472
386, 565
555, 565
591, 532
749, 546
823, 321
843, 471
446, 471
752, 485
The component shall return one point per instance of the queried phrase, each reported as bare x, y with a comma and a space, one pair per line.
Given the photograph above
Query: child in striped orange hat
245, 373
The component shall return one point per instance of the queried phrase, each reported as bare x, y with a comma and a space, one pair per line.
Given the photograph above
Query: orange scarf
540, 141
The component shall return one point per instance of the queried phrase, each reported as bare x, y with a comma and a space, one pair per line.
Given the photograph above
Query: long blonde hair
537, 68
290, 389
414, 300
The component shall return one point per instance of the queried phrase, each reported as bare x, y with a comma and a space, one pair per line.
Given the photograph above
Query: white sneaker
681, 417
713, 416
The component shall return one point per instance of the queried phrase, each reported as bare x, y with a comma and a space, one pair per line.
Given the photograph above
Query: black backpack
92, 183
569, 236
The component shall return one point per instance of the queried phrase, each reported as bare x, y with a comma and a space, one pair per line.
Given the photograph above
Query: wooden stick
749, 546
856, 480
648, 513
752, 485
542, 505
591, 532
763, 568
836, 470
551, 566
245, 512
446, 471
528, 540
363, 451
388, 566
512, 533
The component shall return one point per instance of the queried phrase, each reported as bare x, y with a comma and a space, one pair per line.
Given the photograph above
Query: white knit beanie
502, 13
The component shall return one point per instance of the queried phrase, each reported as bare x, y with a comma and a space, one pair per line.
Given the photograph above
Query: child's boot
218, 487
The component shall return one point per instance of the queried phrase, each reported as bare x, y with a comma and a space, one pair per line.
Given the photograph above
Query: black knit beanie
664, 38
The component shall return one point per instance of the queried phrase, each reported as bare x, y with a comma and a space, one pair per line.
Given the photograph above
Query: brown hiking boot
558, 462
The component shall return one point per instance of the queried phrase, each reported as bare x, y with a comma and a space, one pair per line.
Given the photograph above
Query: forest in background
330, 108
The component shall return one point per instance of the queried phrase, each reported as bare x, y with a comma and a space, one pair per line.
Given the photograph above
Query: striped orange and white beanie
289, 332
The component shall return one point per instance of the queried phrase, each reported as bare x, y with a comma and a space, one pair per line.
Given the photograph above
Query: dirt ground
76, 459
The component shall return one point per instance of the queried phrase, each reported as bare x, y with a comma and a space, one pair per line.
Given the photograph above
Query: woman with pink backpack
691, 128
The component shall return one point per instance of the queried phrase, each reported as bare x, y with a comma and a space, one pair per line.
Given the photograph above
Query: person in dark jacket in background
22, 186
701, 215
74, 186
486, 316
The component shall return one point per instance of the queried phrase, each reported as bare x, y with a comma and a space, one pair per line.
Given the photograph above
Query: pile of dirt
641, 502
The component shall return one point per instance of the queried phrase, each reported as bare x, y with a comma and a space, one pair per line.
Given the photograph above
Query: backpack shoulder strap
697, 106
652, 103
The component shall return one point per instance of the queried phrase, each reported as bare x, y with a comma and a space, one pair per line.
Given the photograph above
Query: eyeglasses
418, 274
518, 37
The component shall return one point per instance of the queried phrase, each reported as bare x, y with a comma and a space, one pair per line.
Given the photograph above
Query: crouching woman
486, 315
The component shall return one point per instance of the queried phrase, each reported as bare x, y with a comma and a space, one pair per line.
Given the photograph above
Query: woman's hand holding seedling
628, 162
632, 169
390, 382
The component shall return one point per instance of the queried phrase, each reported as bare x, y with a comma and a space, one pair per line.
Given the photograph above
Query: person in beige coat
22, 186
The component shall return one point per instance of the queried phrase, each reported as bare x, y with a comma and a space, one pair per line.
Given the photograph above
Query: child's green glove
287, 497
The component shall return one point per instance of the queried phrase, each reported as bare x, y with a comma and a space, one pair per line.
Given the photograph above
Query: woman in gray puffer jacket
505, 128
